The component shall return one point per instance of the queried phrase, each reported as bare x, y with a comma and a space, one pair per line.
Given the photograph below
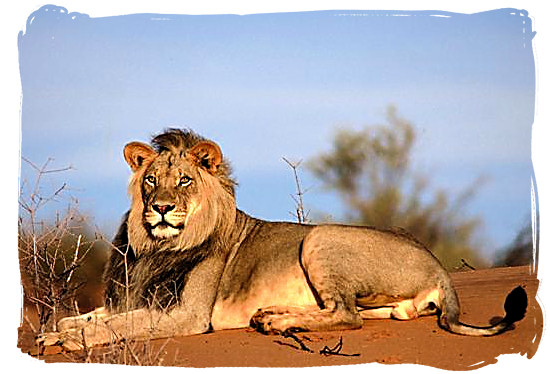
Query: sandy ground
481, 293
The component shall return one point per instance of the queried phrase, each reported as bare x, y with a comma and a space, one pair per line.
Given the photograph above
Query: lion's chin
164, 232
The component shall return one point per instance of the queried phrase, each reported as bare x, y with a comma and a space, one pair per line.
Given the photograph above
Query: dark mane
175, 140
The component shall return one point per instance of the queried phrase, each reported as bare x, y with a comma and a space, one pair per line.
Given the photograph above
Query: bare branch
300, 215
75, 259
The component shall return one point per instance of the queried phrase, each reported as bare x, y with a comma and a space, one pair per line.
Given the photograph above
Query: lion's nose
163, 209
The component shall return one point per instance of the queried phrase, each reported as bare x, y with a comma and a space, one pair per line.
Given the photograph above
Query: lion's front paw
69, 340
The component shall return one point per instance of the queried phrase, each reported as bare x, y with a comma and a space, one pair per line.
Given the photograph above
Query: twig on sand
302, 345
336, 350
326, 351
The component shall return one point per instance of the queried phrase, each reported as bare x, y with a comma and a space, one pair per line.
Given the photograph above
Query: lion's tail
515, 307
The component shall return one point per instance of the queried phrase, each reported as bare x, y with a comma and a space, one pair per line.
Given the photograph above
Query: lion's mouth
166, 224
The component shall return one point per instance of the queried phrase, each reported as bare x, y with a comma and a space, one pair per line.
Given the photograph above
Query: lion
187, 261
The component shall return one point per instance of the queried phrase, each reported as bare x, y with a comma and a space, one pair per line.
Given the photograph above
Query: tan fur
290, 289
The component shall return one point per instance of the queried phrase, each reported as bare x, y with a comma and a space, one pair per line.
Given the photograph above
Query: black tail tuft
515, 305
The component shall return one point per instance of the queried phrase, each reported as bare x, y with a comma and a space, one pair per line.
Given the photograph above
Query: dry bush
59, 258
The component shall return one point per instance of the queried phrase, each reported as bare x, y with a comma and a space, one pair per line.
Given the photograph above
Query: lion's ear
135, 153
207, 154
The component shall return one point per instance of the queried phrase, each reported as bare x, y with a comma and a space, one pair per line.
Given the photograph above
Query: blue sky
278, 85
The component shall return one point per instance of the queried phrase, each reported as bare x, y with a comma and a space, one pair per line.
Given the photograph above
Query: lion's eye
151, 180
185, 181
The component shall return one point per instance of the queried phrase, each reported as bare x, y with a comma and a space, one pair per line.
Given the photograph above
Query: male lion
188, 261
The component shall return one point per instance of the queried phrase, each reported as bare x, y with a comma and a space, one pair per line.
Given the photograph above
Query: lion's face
170, 192
177, 198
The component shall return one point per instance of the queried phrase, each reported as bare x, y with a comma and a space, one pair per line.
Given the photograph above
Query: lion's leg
137, 324
88, 330
337, 302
